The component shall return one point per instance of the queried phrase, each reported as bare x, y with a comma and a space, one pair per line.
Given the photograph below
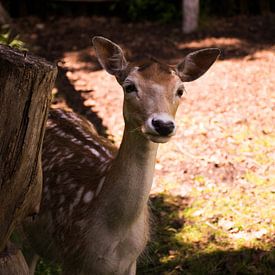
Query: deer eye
130, 88
180, 92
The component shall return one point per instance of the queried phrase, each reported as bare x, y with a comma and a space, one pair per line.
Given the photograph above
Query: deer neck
130, 178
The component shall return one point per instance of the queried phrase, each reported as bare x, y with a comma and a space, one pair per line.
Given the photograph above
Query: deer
94, 214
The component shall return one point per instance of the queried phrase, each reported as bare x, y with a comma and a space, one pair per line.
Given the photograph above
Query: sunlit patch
80, 60
213, 42
88, 196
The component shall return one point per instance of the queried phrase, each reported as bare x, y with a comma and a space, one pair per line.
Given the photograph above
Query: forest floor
214, 189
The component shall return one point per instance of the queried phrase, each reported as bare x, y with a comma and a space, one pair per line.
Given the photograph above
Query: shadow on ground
75, 101
166, 254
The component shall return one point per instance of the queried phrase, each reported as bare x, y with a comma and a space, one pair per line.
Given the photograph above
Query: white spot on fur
99, 187
93, 151
88, 196
77, 199
50, 124
69, 156
61, 133
61, 160
78, 195
72, 186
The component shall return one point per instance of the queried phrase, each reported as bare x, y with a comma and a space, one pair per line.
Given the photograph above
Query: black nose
164, 128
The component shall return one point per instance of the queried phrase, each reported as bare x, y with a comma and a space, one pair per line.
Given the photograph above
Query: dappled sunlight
264, 54
190, 238
81, 60
237, 215
230, 46
205, 233
212, 41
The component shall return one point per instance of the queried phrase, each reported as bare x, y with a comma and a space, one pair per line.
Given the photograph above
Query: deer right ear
109, 55
196, 64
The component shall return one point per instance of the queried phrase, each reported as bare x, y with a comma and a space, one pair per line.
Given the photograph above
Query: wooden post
243, 7
26, 82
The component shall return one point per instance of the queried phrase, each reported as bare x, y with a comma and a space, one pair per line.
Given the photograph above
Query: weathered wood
26, 82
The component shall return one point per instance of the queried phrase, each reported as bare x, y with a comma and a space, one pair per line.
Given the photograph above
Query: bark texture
26, 82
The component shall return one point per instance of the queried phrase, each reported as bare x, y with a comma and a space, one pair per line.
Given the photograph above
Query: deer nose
164, 128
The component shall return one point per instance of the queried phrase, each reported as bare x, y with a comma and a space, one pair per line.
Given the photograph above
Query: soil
236, 97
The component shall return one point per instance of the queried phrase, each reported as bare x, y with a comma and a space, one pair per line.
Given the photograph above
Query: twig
211, 225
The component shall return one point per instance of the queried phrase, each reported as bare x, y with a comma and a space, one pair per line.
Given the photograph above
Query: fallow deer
94, 214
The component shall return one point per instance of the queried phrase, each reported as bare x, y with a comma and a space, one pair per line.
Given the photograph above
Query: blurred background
137, 9
214, 190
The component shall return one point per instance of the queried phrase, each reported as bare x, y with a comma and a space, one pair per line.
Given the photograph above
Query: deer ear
196, 64
109, 55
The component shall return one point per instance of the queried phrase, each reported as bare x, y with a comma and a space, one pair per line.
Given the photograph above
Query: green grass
9, 39
188, 240
46, 268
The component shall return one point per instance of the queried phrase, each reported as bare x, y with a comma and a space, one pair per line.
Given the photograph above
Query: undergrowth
8, 38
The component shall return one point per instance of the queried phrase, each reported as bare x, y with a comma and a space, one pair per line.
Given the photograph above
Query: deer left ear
109, 55
196, 64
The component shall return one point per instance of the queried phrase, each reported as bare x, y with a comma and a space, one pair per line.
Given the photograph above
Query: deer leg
132, 269
32, 263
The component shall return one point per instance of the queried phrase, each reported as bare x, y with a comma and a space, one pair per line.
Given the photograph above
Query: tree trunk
265, 7
244, 8
190, 15
25, 93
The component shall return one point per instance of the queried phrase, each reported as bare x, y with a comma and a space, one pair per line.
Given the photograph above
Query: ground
214, 190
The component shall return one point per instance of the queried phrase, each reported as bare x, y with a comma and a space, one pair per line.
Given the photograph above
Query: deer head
152, 90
